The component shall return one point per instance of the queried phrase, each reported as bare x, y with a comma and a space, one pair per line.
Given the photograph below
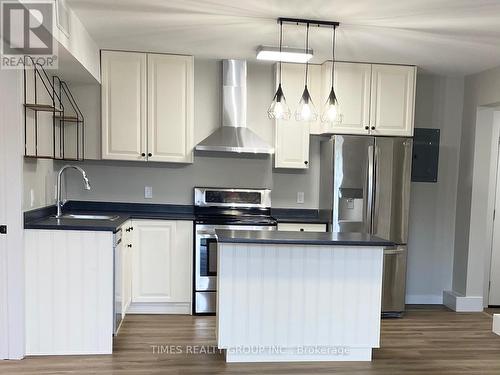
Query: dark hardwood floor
427, 340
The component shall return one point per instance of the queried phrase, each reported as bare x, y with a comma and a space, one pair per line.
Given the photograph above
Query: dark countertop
44, 218
300, 238
298, 215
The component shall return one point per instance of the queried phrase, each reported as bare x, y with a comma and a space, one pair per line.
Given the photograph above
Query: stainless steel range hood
234, 136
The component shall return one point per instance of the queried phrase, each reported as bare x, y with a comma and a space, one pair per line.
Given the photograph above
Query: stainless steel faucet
86, 185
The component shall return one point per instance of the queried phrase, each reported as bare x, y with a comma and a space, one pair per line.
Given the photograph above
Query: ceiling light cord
333, 54
281, 43
307, 49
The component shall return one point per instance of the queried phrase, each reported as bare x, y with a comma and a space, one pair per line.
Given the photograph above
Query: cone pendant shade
331, 113
279, 110
306, 111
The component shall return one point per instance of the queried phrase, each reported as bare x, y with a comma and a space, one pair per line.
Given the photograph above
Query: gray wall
481, 89
39, 180
173, 183
432, 210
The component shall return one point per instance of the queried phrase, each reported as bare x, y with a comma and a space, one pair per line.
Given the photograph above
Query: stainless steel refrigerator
365, 187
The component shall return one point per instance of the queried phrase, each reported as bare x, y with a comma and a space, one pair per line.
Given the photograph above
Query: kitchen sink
89, 217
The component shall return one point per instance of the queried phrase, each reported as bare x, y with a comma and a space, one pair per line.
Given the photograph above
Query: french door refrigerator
365, 187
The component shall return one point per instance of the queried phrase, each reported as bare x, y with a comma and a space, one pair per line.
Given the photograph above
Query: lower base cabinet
161, 267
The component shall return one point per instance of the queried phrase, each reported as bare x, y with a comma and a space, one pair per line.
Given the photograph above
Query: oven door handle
205, 234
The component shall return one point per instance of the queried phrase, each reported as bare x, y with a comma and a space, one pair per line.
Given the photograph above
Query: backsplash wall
173, 183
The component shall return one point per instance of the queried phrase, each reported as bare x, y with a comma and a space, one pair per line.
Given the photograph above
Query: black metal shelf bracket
57, 90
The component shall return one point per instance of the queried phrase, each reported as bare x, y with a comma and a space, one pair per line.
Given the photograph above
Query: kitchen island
298, 296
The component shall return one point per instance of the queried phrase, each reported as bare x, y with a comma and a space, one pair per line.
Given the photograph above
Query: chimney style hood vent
234, 136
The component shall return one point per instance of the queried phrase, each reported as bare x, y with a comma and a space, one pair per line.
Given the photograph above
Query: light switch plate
148, 192
300, 197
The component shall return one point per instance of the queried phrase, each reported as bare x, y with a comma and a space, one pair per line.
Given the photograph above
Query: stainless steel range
221, 208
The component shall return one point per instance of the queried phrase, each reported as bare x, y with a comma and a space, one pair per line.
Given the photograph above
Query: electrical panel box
425, 155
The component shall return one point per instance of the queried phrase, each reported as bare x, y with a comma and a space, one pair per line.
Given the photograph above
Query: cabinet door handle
129, 245
306, 162
373, 127
150, 154
301, 229
143, 154
367, 128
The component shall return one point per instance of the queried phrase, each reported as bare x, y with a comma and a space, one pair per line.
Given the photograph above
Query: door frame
496, 202
12, 315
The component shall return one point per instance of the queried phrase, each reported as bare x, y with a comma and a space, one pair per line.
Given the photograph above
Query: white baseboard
183, 308
305, 354
424, 299
496, 324
460, 303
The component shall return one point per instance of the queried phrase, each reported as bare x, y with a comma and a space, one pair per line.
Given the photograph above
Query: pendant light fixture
331, 113
279, 110
306, 110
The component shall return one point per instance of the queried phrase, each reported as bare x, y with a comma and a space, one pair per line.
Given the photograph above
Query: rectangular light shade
296, 55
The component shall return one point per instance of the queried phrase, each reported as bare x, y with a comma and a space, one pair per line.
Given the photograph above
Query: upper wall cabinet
352, 87
291, 136
147, 107
373, 99
123, 96
392, 100
170, 108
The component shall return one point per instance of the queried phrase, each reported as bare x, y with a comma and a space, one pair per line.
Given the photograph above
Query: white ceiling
452, 37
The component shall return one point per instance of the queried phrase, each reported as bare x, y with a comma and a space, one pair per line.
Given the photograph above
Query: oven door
205, 272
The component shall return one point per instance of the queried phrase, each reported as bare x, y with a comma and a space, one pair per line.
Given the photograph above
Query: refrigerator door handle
375, 207
369, 203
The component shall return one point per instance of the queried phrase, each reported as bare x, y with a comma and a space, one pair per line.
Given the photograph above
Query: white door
123, 97
170, 108
162, 253
392, 100
291, 136
494, 297
4, 300
352, 87
12, 308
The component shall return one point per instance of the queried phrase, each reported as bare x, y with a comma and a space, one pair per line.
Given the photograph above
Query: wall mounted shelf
59, 134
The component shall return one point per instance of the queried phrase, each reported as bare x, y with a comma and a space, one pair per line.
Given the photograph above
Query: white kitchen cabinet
392, 100
147, 107
170, 108
162, 266
291, 136
123, 101
302, 227
352, 87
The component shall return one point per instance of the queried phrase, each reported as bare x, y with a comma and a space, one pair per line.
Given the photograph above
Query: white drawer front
302, 227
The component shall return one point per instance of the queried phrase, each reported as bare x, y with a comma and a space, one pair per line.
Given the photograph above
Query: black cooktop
234, 216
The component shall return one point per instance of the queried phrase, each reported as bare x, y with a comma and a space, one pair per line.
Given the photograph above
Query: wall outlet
148, 192
300, 197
